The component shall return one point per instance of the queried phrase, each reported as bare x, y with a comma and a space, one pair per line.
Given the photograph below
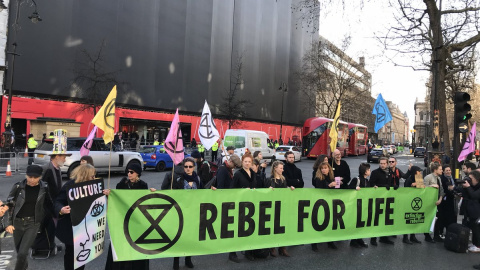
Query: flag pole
174, 153
109, 164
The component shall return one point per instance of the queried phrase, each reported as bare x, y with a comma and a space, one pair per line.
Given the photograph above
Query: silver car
99, 152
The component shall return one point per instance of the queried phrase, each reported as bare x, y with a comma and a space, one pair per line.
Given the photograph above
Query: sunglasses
130, 171
188, 166
391, 162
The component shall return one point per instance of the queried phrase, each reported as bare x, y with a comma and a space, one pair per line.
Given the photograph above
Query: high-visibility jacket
277, 145
156, 143
201, 148
215, 146
31, 143
51, 137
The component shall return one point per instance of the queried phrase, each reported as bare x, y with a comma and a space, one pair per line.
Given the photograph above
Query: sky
400, 85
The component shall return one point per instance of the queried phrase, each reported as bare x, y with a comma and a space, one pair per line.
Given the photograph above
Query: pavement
399, 256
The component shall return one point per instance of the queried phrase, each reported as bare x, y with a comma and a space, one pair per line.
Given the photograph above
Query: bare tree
234, 107
92, 80
435, 40
329, 76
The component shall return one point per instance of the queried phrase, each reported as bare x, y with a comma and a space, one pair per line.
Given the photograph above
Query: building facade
172, 54
395, 131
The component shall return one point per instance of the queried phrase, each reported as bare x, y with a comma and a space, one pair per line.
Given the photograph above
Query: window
421, 116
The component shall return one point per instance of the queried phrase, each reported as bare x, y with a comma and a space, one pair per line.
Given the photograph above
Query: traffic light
462, 109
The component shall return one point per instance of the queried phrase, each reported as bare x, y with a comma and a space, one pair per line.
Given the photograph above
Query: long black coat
323, 183
293, 175
446, 210
242, 180
64, 231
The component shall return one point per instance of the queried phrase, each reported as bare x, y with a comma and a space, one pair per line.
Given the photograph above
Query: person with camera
471, 192
30, 203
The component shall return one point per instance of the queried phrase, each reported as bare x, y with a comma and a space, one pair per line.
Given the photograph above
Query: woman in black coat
277, 180
260, 177
244, 178
361, 181
324, 179
64, 231
132, 181
188, 180
320, 159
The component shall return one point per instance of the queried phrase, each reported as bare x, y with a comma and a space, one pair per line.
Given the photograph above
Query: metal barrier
17, 161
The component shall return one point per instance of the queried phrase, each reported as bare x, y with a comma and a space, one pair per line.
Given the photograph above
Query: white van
252, 139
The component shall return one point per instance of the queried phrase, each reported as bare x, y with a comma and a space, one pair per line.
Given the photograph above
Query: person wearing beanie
31, 204
132, 181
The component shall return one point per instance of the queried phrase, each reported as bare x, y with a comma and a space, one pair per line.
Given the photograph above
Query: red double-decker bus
316, 140
357, 139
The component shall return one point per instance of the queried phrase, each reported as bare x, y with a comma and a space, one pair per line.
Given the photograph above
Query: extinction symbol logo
380, 113
171, 147
416, 204
108, 113
146, 234
205, 122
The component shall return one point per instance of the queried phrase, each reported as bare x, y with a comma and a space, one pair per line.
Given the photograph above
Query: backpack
212, 169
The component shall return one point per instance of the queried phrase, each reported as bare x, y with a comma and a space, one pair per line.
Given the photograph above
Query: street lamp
8, 121
283, 87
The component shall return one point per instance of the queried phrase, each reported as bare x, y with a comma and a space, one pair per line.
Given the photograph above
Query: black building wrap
172, 53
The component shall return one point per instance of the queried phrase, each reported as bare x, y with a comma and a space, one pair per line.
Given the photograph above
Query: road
398, 256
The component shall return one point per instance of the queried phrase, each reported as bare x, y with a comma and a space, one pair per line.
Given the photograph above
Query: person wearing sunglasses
188, 180
396, 173
131, 181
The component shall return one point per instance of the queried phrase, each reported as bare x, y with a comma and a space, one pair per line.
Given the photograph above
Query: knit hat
195, 154
136, 168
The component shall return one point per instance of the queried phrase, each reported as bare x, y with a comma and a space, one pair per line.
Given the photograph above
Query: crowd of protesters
41, 200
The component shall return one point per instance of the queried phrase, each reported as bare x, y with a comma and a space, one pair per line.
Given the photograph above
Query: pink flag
85, 150
174, 142
469, 145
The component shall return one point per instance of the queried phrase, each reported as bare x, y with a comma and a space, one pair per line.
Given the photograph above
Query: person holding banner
245, 177
132, 181
31, 203
324, 179
320, 159
291, 172
358, 183
188, 180
64, 230
277, 180
381, 177
410, 182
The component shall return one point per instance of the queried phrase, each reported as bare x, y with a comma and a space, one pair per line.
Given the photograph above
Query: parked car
282, 149
389, 149
394, 148
154, 156
419, 152
376, 154
100, 152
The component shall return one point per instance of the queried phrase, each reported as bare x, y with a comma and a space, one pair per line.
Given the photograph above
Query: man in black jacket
381, 177
292, 174
340, 169
32, 203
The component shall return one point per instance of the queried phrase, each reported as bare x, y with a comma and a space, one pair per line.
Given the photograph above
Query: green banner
147, 225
